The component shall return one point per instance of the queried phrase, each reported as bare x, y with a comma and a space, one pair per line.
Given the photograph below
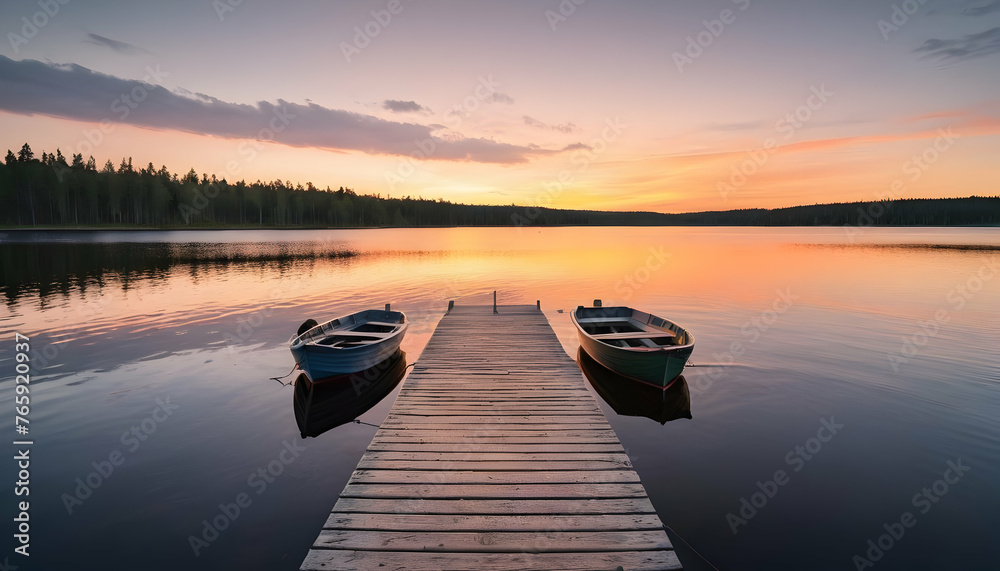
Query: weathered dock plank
474, 477
493, 457
488, 523
480, 447
493, 541
493, 490
327, 559
496, 506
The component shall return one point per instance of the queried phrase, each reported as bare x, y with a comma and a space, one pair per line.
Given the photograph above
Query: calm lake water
864, 369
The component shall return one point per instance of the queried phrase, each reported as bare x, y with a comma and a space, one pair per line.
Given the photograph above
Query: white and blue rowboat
348, 344
633, 343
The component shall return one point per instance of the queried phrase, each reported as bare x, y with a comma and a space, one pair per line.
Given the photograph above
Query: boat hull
321, 362
656, 368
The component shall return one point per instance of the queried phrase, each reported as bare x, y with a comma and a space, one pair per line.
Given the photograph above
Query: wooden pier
493, 457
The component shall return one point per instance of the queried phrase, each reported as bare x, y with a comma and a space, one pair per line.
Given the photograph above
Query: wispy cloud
964, 123
500, 97
967, 47
739, 126
982, 8
74, 92
397, 106
562, 128
120, 47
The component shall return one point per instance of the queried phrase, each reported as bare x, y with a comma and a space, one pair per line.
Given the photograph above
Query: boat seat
355, 334
382, 323
360, 342
635, 335
602, 320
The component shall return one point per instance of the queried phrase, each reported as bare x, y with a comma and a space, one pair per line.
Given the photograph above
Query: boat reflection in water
633, 398
332, 401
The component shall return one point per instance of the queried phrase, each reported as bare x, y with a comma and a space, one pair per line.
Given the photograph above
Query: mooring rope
283, 376
693, 550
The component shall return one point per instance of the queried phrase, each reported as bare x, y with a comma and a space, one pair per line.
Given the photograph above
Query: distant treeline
49, 191
971, 211
54, 191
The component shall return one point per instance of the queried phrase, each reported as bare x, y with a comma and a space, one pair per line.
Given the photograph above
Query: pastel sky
674, 106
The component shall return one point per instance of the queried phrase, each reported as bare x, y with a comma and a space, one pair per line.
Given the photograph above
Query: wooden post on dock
495, 312
451, 305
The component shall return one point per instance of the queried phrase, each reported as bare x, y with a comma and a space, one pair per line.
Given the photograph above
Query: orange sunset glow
678, 108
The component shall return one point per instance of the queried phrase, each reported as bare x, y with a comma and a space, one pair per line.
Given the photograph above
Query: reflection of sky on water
115, 337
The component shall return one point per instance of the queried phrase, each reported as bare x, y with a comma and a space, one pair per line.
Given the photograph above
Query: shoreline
243, 228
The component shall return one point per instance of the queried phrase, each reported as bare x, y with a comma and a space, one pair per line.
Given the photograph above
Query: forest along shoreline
53, 192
